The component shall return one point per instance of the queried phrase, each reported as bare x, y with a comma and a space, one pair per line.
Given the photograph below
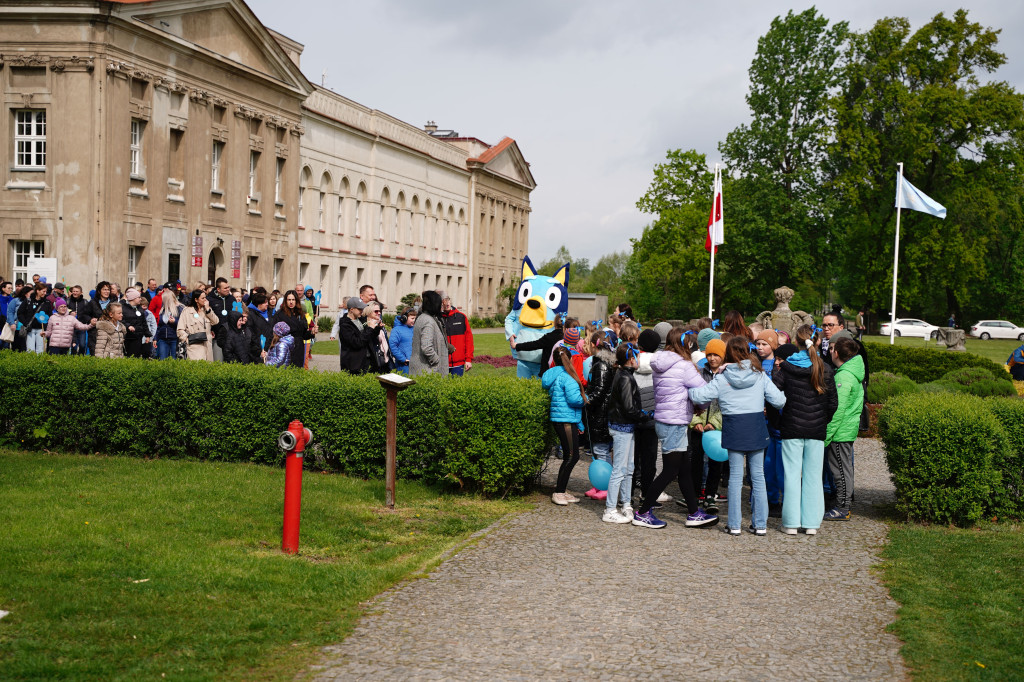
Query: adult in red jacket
460, 336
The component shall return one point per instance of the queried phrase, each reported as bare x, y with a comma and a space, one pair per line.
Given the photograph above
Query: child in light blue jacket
567, 400
742, 388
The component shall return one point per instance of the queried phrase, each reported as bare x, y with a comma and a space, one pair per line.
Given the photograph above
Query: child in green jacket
842, 430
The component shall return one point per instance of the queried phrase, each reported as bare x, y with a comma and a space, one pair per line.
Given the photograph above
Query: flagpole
714, 235
896, 255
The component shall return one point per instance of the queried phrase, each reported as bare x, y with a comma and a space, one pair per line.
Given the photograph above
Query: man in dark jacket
460, 336
220, 300
355, 338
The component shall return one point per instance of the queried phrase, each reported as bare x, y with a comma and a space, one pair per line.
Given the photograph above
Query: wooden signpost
393, 383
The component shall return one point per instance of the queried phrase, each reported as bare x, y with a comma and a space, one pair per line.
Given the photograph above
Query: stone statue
783, 318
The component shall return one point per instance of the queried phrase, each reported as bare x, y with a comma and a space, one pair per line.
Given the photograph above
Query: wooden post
392, 383
389, 467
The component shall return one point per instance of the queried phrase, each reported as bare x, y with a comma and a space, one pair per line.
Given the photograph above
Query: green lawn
996, 350
127, 569
961, 594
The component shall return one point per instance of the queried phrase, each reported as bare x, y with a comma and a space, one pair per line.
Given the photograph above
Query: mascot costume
538, 302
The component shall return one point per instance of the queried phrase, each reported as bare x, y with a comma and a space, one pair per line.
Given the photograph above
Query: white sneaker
613, 516
811, 531
559, 499
627, 511
569, 497
663, 498
788, 531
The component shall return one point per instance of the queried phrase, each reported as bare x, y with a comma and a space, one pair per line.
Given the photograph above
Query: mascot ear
562, 276
528, 269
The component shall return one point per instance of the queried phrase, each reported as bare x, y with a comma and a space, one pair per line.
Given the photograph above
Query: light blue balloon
712, 442
600, 473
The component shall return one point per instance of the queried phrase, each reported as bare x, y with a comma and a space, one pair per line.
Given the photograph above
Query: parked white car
909, 326
997, 329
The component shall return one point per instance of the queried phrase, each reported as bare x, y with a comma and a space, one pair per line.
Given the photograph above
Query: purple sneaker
648, 520
701, 518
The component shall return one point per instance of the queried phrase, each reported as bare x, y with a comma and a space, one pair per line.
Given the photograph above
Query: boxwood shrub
486, 433
885, 385
1009, 499
943, 451
924, 364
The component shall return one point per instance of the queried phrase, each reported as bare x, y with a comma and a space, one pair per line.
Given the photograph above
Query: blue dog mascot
538, 302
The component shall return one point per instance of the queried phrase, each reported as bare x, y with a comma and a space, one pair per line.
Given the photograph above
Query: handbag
22, 330
198, 337
7, 336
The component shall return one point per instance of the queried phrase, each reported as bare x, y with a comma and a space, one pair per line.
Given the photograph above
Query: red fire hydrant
294, 441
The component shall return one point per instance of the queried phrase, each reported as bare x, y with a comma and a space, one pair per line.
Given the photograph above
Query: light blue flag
916, 200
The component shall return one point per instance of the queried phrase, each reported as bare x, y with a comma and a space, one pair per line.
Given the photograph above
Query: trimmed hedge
924, 364
955, 458
485, 433
885, 385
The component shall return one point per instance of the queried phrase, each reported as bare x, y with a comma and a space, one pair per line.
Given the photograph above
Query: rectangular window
250, 268
218, 153
135, 162
254, 162
358, 208
176, 163
21, 251
173, 267
30, 139
278, 262
342, 273
278, 199
341, 215
134, 256
320, 212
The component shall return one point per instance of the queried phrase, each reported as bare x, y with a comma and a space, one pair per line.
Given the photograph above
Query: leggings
568, 438
646, 457
675, 464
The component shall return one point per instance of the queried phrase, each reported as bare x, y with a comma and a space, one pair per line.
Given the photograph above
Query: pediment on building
226, 29
506, 160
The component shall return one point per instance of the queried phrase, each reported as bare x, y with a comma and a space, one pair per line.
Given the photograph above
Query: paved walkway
557, 594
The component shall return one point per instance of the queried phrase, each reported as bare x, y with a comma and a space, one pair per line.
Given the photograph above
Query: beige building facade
178, 139
389, 204
157, 140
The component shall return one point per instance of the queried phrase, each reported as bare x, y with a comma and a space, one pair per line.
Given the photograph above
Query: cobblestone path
557, 594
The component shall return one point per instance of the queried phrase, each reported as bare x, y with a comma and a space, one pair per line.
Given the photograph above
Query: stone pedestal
952, 339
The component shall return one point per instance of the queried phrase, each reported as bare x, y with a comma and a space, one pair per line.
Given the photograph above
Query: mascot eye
525, 292
554, 298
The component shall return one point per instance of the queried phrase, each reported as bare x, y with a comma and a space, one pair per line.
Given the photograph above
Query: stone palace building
178, 139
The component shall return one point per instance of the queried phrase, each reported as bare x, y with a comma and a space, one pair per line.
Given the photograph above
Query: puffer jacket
598, 389
167, 327
135, 317
109, 339
741, 393
711, 415
239, 344
566, 396
61, 330
674, 375
807, 412
281, 354
624, 404
850, 401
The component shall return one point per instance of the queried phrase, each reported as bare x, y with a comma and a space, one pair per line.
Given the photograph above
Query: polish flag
716, 229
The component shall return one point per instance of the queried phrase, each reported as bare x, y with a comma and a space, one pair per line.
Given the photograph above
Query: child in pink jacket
60, 329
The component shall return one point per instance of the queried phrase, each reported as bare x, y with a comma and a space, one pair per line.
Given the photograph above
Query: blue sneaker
648, 520
701, 518
837, 515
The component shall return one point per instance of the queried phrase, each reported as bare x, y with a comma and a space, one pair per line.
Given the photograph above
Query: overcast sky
594, 92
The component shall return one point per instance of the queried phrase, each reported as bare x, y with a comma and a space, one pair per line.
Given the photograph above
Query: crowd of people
786, 410
218, 323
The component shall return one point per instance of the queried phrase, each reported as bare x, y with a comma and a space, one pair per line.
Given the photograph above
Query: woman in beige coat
199, 320
110, 333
